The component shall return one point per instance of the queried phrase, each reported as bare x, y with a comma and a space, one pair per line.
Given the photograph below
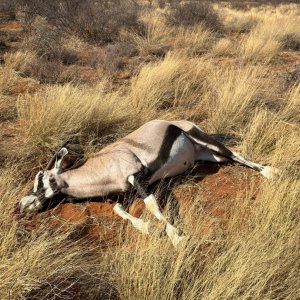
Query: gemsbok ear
60, 156
61, 153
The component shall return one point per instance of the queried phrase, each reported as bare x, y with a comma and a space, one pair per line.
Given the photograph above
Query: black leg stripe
141, 191
40, 181
171, 134
207, 139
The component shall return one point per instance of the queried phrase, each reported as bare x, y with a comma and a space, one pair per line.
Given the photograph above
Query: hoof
270, 172
178, 241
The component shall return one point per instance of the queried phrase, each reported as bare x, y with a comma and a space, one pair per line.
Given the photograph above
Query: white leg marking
246, 162
267, 171
207, 155
46, 182
139, 224
172, 232
152, 206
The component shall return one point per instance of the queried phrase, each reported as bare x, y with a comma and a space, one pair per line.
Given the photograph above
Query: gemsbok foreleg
152, 206
137, 223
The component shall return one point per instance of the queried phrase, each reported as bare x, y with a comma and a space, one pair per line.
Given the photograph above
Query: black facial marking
53, 184
171, 134
40, 182
205, 138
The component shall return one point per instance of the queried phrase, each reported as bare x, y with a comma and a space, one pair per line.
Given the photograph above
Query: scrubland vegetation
92, 71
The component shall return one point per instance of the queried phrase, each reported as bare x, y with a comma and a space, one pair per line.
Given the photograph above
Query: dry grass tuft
66, 112
292, 105
8, 78
224, 47
167, 87
241, 22
183, 73
193, 41
270, 134
16, 60
152, 40
259, 48
232, 99
273, 32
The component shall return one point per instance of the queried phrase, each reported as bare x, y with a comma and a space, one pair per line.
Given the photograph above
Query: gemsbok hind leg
213, 156
209, 149
266, 171
151, 205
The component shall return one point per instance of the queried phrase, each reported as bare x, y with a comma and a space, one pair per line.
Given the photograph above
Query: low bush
153, 40
224, 47
190, 13
43, 70
241, 23
291, 41
43, 39
96, 21
113, 57
8, 10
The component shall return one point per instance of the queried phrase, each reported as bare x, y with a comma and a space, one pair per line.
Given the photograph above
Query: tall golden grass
224, 90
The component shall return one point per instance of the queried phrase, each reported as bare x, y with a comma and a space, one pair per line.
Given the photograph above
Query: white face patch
46, 182
29, 203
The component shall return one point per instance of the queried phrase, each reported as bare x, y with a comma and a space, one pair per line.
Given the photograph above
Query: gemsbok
156, 150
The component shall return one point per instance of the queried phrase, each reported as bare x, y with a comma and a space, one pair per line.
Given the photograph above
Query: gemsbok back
156, 150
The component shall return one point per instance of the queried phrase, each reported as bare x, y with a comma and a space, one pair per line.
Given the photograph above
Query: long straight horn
53, 158
51, 162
